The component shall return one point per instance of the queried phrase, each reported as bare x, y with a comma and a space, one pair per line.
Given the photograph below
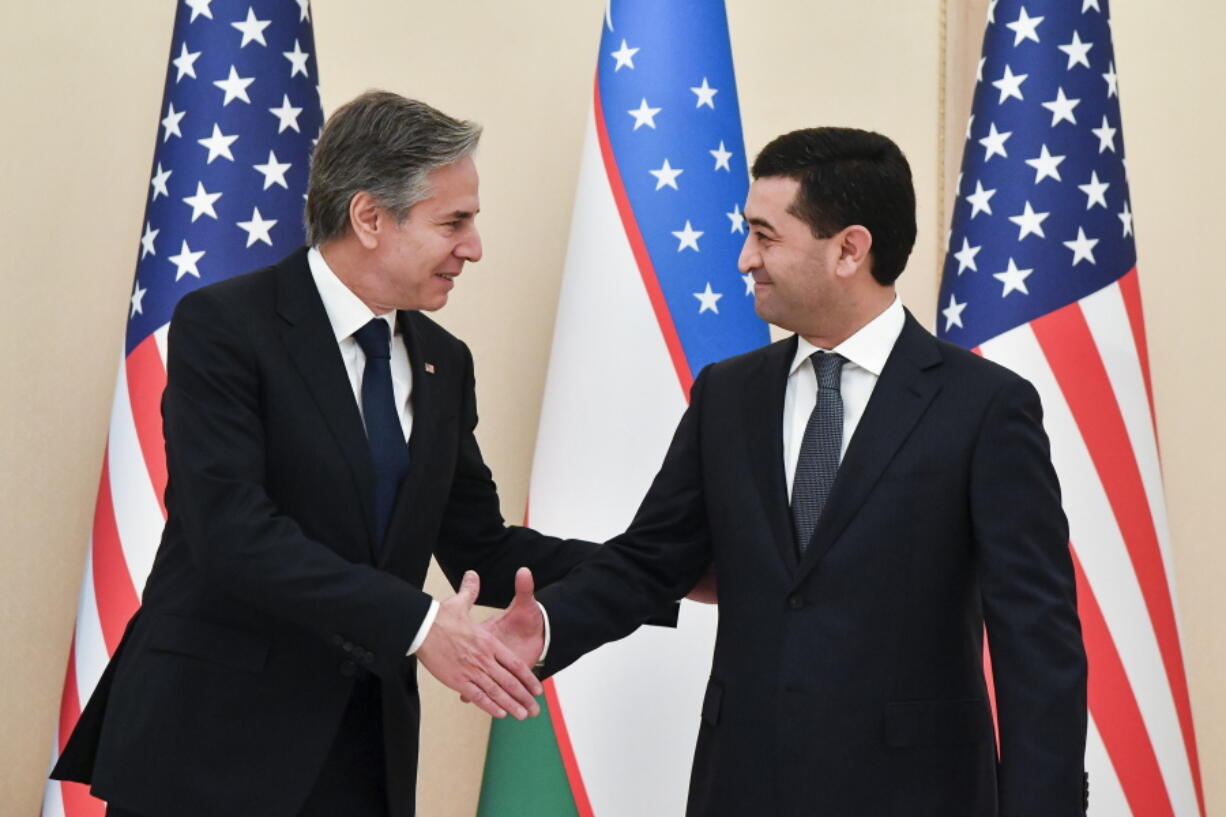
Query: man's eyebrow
758, 221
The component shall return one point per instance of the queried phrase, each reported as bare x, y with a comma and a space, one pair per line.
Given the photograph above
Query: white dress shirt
866, 352
347, 314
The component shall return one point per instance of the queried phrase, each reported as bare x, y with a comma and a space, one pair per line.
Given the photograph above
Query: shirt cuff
545, 649
426, 624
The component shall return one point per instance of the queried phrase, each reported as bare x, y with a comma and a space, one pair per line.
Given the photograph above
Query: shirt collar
346, 312
868, 348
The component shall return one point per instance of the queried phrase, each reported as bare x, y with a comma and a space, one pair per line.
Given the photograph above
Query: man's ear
853, 243
366, 218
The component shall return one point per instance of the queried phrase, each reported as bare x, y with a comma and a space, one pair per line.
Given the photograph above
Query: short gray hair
386, 145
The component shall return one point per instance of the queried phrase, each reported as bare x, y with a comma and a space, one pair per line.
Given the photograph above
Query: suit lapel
762, 419
425, 430
312, 346
903, 391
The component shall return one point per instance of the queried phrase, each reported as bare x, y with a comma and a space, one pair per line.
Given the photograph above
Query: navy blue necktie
389, 453
819, 450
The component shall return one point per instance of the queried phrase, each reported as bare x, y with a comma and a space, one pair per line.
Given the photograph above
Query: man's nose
748, 259
470, 248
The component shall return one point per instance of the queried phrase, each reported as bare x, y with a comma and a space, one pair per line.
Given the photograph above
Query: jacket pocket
208, 642
936, 723
712, 702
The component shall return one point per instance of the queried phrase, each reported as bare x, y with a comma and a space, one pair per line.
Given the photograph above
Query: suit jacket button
348, 668
796, 601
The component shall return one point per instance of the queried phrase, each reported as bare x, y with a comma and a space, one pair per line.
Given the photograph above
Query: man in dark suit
870, 498
271, 667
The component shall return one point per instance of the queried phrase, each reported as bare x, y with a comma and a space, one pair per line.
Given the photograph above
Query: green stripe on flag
524, 775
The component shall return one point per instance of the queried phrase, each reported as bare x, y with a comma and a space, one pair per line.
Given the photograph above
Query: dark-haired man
320, 448
871, 498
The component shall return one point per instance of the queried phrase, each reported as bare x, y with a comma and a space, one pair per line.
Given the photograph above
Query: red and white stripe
1088, 362
128, 518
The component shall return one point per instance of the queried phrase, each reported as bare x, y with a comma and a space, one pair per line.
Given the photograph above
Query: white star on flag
1113, 87
1106, 136
748, 279
1046, 166
1029, 222
721, 157
666, 176
185, 63
1096, 191
287, 115
138, 295
257, 228
1062, 108
953, 313
199, 7
304, 10
1014, 279
171, 122
737, 219
218, 144
708, 300
966, 256
1082, 247
1077, 51
185, 262
644, 115
160, 177
252, 29
274, 171
706, 95
688, 237
1125, 217
994, 142
297, 60
1010, 85
146, 241
202, 202
624, 57
1024, 27
979, 200
235, 87
1087, 4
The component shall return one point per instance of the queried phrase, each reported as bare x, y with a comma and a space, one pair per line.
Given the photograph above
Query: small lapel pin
429, 368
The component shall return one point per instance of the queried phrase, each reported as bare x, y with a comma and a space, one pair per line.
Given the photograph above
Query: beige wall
80, 91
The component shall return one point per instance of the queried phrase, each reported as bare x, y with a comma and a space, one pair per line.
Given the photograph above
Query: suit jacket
850, 682
269, 595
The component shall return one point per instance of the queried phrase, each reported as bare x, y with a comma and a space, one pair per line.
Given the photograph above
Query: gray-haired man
319, 437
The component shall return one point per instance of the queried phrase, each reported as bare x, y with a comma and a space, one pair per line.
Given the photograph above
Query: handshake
490, 663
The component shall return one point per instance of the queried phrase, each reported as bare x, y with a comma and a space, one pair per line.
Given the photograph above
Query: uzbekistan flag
240, 112
1041, 276
650, 295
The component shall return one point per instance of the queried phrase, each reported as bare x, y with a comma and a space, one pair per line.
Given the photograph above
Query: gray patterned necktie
819, 451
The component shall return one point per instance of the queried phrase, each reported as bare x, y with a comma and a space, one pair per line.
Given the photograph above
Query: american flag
1041, 276
650, 294
239, 115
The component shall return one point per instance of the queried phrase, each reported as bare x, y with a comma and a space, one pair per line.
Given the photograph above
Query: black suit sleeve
474, 535
1030, 609
215, 448
641, 572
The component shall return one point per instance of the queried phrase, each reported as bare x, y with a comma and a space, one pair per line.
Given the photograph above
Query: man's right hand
474, 663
